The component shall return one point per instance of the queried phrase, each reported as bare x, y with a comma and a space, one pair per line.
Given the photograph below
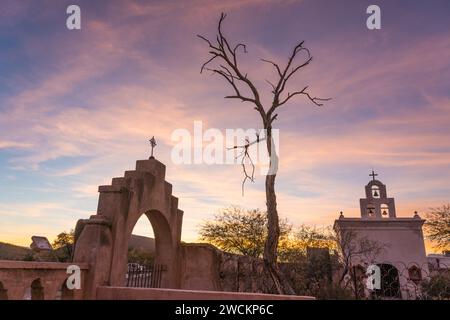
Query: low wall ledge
10, 264
124, 293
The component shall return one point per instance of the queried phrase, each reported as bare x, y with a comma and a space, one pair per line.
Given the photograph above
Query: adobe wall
404, 237
117, 293
204, 267
16, 277
404, 248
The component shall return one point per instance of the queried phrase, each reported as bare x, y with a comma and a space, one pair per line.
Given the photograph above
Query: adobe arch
103, 239
164, 248
36, 290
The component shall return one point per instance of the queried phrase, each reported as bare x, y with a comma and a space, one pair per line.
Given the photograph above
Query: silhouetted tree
351, 247
436, 287
237, 230
224, 56
294, 248
63, 245
437, 226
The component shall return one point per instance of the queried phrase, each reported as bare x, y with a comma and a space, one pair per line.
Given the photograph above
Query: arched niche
3, 292
64, 293
415, 274
35, 291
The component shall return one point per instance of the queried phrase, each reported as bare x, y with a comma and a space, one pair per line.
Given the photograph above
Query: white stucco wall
403, 240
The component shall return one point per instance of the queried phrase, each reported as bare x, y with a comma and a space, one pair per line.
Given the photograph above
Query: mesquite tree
223, 61
438, 226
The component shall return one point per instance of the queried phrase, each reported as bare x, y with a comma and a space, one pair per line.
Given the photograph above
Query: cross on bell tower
153, 145
373, 175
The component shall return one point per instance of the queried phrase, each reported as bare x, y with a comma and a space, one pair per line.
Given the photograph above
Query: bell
376, 194
384, 212
370, 211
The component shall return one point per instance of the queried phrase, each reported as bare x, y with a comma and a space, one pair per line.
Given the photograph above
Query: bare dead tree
224, 58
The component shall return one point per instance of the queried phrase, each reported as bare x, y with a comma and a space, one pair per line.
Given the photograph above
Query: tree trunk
273, 234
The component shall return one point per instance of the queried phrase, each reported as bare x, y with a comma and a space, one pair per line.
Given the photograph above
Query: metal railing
143, 276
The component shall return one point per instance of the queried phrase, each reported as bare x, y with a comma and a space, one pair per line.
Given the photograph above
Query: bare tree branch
275, 65
303, 91
245, 155
223, 51
272, 85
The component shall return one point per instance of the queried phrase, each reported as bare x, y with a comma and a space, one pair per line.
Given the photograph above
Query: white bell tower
377, 205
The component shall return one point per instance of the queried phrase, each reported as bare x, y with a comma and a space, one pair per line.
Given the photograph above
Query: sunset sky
78, 107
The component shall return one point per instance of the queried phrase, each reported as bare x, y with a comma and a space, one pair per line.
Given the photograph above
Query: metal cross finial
153, 144
373, 175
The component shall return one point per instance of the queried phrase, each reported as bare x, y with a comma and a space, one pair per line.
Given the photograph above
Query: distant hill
142, 243
13, 252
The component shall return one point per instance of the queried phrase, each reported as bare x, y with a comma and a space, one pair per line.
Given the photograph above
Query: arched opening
3, 292
35, 291
390, 283
415, 274
64, 293
375, 191
149, 251
370, 210
384, 210
165, 253
141, 247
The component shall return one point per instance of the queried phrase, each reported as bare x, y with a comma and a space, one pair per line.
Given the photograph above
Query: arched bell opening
375, 191
415, 274
371, 210
384, 210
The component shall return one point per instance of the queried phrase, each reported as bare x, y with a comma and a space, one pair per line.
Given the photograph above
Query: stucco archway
390, 281
161, 230
103, 239
164, 247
